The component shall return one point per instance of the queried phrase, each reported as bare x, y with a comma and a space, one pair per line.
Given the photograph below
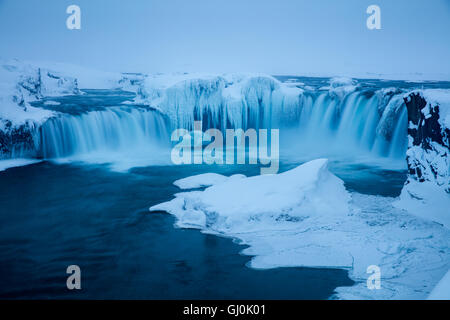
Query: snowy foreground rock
305, 217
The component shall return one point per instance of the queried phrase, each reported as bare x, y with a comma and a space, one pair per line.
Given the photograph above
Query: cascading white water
356, 124
310, 123
113, 129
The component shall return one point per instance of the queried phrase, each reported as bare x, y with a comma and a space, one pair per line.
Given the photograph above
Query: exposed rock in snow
305, 217
427, 190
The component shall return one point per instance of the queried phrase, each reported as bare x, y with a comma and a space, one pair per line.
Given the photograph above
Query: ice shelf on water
12, 163
204, 180
306, 217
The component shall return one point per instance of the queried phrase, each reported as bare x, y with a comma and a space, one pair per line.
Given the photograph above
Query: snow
52, 103
435, 97
439, 97
303, 191
305, 217
442, 289
204, 180
21, 83
341, 86
12, 163
427, 200
87, 78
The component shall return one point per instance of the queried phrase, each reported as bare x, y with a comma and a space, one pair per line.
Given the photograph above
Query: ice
233, 98
12, 163
442, 290
204, 180
305, 217
52, 103
296, 194
341, 86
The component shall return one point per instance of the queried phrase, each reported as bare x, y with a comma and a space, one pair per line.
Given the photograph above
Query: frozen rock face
428, 149
16, 141
19, 85
427, 190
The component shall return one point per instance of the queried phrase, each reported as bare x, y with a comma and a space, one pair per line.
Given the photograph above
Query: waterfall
311, 123
361, 123
112, 129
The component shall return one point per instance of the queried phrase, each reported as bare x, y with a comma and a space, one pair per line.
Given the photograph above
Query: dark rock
429, 141
16, 141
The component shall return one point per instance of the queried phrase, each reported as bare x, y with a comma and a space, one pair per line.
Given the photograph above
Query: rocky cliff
427, 189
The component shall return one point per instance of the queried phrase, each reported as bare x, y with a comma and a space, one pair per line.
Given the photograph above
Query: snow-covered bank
305, 217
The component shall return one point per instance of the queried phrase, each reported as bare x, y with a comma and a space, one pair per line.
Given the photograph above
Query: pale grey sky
277, 37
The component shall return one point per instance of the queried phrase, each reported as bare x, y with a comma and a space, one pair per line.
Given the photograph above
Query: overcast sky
277, 36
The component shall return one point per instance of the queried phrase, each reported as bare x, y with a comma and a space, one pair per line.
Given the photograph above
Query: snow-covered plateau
301, 217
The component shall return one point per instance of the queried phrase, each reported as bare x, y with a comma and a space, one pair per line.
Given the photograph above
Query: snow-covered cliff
21, 84
427, 190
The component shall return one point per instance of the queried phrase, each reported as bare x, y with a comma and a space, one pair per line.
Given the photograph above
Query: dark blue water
53, 216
